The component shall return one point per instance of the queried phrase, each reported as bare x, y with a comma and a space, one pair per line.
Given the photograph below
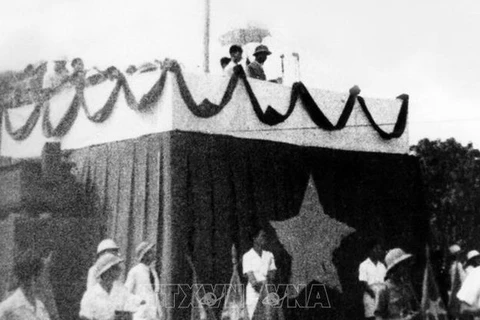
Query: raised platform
111, 113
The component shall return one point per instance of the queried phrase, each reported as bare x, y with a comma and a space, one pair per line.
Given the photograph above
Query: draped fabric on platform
197, 194
122, 184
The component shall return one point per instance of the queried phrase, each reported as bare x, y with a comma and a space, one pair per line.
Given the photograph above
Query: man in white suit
142, 280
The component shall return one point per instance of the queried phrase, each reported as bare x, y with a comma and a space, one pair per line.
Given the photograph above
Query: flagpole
206, 38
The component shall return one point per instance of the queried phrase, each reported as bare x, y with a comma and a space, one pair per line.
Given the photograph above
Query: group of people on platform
253, 69
36, 83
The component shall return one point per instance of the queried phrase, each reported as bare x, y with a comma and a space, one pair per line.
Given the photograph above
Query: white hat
472, 254
454, 249
107, 244
394, 257
142, 249
105, 262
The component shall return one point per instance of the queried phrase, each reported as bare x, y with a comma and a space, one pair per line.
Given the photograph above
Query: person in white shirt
259, 266
236, 58
109, 299
142, 280
24, 303
104, 247
469, 294
371, 274
473, 260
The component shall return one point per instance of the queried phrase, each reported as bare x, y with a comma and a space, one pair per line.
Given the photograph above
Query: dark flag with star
269, 306
199, 310
454, 303
235, 307
432, 305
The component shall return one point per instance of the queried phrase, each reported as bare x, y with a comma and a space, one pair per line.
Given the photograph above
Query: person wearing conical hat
104, 247
142, 280
109, 299
397, 300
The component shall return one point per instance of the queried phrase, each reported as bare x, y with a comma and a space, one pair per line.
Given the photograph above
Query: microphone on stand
282, 56
297, 71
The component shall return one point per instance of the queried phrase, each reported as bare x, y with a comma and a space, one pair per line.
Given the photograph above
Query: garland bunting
105, 112
65, 123
149, 99
205, 109
24, 131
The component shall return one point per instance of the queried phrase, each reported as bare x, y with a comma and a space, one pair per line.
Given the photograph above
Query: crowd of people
108, 298
388, 290
385, 280
36, 82
464, 282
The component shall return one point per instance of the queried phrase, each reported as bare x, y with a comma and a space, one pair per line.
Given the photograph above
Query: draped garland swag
205, 109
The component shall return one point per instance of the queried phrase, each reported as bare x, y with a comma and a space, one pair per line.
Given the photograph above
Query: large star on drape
310, 238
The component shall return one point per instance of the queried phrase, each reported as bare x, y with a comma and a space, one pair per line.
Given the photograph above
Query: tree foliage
451, 175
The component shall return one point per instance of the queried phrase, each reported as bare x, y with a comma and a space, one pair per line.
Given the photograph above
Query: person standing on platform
259, 266
55, 81
371, 274
24, 303
109, 299
104, 247
142, 280
224, 62
78, 78
255, 69
236, 58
